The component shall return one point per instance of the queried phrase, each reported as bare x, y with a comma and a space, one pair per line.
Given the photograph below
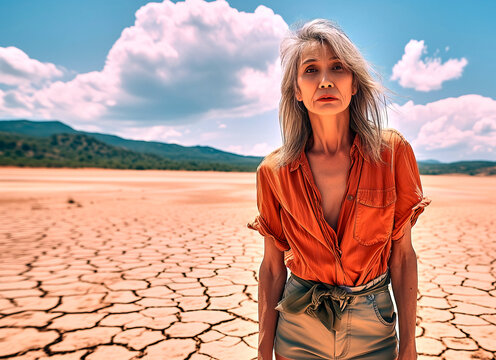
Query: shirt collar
357, 145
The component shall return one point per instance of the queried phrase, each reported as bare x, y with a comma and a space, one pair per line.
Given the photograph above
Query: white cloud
179, 63
450, 129
152, 133
413, 72
18, 69
260, 149
209, 135
236, 149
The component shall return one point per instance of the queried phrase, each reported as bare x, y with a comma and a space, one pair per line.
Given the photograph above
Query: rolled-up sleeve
410, 200
268, 222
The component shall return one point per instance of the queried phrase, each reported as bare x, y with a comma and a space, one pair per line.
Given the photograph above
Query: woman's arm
272, 278
403, 267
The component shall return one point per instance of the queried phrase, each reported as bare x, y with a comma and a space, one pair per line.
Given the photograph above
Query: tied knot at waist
324, 301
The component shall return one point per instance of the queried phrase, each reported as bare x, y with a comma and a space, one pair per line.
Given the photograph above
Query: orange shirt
379, 201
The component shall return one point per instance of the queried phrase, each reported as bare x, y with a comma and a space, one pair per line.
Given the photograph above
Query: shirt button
350, 197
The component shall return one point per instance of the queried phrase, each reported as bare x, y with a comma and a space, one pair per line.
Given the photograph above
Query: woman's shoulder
271, 171
270, 163
393, 143
393, 138
401, 149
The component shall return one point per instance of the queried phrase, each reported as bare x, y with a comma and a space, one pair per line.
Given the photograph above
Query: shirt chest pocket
374, 215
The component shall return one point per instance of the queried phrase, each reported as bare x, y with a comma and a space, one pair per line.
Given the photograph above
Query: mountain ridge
53, 143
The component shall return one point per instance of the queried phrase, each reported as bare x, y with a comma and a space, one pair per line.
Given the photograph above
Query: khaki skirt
368, 329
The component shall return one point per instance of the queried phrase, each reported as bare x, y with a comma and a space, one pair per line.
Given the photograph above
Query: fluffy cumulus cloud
450, 129
425, 75
179, 63
18, 69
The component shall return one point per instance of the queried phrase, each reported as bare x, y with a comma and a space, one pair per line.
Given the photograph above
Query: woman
336, 205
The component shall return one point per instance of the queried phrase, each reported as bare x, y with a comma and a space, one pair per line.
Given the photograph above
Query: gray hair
367, 106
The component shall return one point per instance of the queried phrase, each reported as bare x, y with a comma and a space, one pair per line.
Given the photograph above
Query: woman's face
318, 69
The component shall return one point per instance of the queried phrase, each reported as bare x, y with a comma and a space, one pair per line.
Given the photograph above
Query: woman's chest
354, 198
330, 177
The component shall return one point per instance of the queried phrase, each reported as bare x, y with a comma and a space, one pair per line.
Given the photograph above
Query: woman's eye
334, 67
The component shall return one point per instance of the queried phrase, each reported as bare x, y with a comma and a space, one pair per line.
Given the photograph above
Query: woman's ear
354, 86
298, 94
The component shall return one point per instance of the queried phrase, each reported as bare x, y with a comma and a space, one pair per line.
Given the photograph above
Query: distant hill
460, 167
55, 144
430, 161
197, 154
80, 150
36, 128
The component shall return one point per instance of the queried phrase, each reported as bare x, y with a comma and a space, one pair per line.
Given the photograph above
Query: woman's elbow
272, 269
402, 253
273, 260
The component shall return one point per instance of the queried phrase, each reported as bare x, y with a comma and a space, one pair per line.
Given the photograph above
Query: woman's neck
330, 135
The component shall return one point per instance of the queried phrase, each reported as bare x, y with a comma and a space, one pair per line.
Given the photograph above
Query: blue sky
103, 66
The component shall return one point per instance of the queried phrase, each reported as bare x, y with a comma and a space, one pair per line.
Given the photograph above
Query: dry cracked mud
119, 264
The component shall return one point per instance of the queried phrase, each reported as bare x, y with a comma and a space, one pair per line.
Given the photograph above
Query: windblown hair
367, 106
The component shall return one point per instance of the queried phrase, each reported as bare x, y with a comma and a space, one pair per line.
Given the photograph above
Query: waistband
366, 285
327, 302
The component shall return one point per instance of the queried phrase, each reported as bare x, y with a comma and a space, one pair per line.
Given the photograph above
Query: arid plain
121, 264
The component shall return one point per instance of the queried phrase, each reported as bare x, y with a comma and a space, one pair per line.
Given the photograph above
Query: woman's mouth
326, 99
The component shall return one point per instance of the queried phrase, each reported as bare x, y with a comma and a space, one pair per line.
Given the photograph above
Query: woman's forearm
270, 289
405, 284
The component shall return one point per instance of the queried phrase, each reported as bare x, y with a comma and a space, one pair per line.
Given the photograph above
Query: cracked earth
118, 264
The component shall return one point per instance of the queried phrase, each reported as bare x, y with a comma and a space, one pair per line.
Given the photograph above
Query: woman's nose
325, 81
325, 84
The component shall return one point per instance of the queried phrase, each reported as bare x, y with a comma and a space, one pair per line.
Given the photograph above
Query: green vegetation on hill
55, 144
197, 154
77, 150
35, 128
462, 167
